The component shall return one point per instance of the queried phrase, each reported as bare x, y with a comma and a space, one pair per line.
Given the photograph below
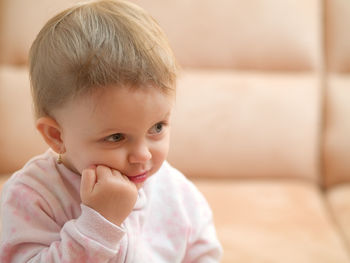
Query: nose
139, 153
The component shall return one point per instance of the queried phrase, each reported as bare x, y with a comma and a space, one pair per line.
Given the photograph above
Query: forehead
119, 107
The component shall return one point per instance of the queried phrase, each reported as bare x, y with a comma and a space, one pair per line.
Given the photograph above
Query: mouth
140, 178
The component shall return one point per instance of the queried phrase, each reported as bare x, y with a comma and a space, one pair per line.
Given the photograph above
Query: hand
108, 192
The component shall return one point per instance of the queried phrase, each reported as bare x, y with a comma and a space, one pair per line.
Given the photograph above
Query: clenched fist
108, 192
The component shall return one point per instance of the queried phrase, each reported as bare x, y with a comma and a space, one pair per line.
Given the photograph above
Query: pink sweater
43, 220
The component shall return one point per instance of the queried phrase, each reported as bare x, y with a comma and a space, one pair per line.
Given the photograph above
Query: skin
110, 137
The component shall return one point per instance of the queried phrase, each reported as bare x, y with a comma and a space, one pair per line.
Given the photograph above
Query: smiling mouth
140, 178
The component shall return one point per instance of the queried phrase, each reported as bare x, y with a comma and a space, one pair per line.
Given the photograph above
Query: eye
117, 137
157, 128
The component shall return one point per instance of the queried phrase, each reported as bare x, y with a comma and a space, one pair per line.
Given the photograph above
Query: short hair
96, 44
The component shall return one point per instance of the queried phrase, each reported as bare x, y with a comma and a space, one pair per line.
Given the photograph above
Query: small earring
59, 159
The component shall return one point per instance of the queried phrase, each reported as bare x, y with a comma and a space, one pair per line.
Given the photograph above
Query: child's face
122, 128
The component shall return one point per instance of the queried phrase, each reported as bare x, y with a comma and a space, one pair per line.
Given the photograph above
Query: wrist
96, 227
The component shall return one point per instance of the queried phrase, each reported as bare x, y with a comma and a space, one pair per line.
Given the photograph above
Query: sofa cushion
20, 22
336, 150
254, 34
19, 139
246, 124
339, 202
337, 21
282, 35
273, 221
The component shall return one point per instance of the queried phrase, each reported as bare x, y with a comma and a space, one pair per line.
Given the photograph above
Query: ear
51, 132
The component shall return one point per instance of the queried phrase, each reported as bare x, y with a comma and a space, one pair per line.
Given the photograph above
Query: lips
140, 178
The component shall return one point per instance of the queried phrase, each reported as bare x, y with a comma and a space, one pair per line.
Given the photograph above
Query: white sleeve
31, 234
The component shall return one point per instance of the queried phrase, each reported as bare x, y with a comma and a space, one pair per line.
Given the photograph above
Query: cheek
78, 161
160, 152
158, 157
81, 156
113, 158
74, 155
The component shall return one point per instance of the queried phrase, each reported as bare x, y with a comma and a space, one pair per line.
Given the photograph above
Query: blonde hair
97, 44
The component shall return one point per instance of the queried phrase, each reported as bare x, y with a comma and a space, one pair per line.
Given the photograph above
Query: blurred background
262, 120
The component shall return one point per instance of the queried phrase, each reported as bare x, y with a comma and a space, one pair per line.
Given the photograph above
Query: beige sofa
262, 123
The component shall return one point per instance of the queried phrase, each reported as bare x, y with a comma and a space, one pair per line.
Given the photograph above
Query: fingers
120, 175
88, 180
116, 172
105, 171
102, 172
95, 174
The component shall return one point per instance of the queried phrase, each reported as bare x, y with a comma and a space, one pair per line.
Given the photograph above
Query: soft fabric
19, 140
278, 221
337, 20
336, 146
43, 220
246, 125
268, 35
255, 34
339, 202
